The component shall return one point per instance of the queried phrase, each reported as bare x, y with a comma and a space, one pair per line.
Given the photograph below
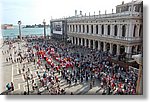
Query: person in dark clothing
93, 82
86, 78
76, 81
25, 93
90, 85
81, 79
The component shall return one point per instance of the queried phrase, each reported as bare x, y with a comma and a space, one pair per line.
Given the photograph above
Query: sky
34, 11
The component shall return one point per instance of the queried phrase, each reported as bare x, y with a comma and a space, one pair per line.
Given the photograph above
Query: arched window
134, 32
102, 27
67, 27
123, 31
115, 30
92, 29
79, 28
83, 29
76, 28
140, 31
73, 28
96, 29
134, 8
108, 29
70, 28
87, 29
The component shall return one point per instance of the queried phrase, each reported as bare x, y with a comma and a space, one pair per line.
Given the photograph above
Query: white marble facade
116, 32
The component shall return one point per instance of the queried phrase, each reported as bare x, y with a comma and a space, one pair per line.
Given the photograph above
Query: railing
122, 14
109, 36
81, 17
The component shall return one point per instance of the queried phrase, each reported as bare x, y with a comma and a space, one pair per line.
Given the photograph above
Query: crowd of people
89, 65
56, 61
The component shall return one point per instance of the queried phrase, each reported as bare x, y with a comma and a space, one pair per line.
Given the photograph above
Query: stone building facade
118, 33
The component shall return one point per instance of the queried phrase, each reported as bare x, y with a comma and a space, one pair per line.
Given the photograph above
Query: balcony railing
123, 14
109, 36
83, 17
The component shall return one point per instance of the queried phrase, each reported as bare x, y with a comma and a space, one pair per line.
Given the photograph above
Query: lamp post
19, 23
44, 28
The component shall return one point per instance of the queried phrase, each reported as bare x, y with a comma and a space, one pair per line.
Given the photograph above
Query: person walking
12, 86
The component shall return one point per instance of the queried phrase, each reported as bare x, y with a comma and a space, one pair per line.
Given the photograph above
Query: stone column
136, 48
104, 47
89, 43
121, 30
105, 30
127, 30
118, 49
128, 50
78, 41
75, 40
74, 28
131, 28
71, 40
89, 28
111, 47
94, 29
138, 29
118, 32
99, 46
99, 29
93, 44
81, 41
85, 30
85, 44
69, 28
78, 28
81, 28
112, 30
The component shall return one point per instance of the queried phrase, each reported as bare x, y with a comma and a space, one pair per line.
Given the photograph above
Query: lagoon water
13, 33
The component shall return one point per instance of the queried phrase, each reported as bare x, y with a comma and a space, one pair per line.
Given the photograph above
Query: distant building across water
7, 26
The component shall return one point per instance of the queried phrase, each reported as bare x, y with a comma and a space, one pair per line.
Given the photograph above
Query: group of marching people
88, 66
76, 65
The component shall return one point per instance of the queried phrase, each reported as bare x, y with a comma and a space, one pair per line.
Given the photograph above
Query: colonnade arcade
115, 49
120, 30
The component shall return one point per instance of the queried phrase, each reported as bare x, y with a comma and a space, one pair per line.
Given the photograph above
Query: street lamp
19, 23
44, 22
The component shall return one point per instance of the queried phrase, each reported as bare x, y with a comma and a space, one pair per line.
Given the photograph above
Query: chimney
122, 2
75, 12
